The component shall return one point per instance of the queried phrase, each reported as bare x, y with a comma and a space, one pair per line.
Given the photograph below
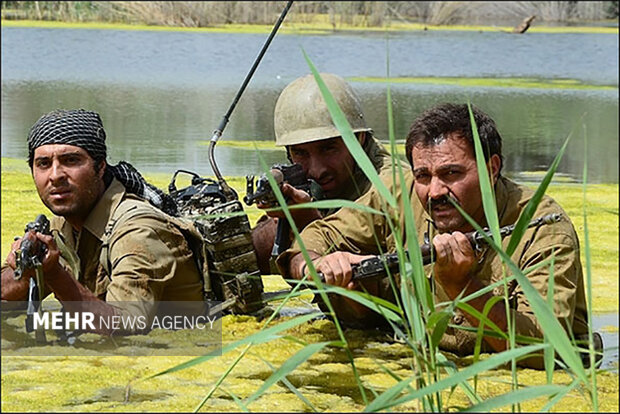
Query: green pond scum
525, 83
326, 380
319, 25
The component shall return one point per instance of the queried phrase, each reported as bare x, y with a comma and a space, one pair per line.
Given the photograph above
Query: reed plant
416, 319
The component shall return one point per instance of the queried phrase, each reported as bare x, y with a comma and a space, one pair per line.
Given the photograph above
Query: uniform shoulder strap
128, 209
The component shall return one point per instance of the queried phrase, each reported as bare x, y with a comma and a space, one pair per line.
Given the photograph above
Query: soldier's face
449, 167
67, 181
328, 162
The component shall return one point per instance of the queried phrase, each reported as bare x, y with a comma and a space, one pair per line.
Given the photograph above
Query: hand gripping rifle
381, 264
282, 173
30, 255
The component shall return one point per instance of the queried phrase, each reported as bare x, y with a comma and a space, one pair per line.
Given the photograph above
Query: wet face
449, 167
328, 162
67, 181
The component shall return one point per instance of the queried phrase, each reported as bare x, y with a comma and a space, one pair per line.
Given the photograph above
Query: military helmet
301, 114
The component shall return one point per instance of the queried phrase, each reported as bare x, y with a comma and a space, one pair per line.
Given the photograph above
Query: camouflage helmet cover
301, 114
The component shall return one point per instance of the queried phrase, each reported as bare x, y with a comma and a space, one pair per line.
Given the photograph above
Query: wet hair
435, 124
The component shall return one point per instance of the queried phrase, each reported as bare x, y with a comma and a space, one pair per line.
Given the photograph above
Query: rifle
389, 262
282, 173
30, 255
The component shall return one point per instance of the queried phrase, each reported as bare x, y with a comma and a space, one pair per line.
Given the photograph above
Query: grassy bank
302, 28
21, 204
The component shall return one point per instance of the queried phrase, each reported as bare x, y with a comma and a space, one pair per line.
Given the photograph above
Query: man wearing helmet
303, 125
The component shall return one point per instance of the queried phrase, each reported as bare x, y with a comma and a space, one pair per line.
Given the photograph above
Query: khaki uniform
149, 258
352, 231
381, 160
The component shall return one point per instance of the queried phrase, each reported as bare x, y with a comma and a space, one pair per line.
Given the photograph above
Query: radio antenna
230, 193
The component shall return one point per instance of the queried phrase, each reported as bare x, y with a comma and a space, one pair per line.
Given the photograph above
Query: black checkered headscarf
84, 129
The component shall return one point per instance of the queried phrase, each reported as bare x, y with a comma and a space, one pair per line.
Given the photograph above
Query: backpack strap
130, 209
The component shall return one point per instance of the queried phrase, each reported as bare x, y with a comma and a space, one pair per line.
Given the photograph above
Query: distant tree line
336, 13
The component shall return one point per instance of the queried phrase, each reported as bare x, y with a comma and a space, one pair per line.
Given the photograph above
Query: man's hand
51, 264
14, 289
454, 261
294, 196
336, 268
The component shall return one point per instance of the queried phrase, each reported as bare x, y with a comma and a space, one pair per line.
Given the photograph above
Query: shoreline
303, 28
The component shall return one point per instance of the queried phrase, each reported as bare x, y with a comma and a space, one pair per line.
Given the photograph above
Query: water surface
161, 94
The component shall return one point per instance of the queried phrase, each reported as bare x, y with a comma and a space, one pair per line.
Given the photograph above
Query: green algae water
89, 381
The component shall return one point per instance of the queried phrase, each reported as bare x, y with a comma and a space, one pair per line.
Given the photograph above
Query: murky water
168, 91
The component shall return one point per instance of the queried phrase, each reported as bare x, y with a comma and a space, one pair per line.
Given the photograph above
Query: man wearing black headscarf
115, 239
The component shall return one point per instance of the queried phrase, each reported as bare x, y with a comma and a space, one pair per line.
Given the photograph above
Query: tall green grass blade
553, 401
482, 316
342, 124
486, 189
549, 354
313, 272
530, 208
386, 308
287, 367
421, 294
436, 324
588, 259
483, 319
237, 401
386, 400
263, 336
221, 379
293, 389
451, 369
515, 397
545, 316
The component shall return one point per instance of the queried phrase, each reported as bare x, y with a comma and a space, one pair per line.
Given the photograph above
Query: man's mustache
443, 200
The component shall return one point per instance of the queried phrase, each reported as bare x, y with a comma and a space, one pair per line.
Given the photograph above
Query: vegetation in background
336, 14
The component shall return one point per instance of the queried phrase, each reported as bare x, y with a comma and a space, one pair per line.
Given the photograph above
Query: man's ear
494, 164
102, 167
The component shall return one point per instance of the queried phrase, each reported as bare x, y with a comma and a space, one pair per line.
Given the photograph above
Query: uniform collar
100, 215
378, 155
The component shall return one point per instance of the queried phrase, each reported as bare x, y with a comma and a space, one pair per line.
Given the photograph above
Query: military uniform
352, 231
150, 260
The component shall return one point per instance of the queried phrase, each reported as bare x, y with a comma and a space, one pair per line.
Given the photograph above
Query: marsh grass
420, 323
